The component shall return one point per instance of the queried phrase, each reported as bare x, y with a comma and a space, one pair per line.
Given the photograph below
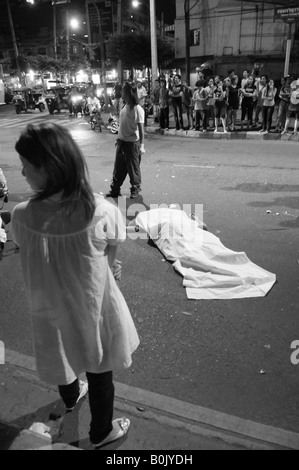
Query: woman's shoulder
19, 210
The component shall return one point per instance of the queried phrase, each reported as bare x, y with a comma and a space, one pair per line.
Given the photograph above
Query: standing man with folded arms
129, 145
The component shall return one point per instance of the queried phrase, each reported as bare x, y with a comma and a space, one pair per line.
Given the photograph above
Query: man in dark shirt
176, 94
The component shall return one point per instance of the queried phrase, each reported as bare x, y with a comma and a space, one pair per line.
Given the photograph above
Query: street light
153, 30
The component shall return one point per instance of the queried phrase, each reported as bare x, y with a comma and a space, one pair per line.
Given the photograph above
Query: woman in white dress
68, 239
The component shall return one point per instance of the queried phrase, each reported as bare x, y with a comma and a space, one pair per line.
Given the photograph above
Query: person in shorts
293, 109
220, 105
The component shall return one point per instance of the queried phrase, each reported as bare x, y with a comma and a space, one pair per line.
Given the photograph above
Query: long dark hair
130, 89
51, 147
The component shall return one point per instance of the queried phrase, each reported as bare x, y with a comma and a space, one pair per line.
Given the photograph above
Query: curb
28, 440
288, 137
170, 412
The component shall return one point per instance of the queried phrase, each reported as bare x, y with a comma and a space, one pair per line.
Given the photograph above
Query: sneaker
113, 194
120, 429
83, 390
225, 131
265, 132
204, 130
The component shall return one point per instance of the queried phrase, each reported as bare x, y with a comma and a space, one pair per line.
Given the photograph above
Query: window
194, 37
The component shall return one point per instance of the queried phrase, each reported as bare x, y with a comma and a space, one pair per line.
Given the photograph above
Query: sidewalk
153, 128
158, 423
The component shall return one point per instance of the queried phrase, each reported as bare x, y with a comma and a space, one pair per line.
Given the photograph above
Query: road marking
223, 425
24, 120
196, 166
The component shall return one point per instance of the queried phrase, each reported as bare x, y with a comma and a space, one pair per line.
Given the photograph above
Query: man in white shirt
130, 144
142, 95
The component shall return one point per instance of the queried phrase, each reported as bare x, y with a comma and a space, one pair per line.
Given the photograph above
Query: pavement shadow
8, 434
64, 427
290, 202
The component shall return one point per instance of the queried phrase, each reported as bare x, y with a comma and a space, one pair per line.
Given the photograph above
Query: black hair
51, 147
131, 93
199, 83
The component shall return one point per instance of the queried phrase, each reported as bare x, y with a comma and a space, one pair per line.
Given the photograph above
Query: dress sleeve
110, 225
14, 227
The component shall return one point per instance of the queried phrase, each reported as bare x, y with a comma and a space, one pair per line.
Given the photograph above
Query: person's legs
132, 158
265, 118
180, 110
101, 401
250, 113
223, 119
166, 113
175, 114
286, 126
162, 118
69, 393
270, 117
258, 111
296, 123
217, 116
204, 120
197, 119
120, 170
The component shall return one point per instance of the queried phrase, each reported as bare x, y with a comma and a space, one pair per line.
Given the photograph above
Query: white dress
80, 319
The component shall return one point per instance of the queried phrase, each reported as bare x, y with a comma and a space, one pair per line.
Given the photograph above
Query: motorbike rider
74, 92
93, 103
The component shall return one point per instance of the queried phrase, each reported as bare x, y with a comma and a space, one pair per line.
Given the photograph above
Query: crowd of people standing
224, 103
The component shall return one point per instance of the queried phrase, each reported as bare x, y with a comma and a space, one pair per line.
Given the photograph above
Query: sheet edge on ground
209, 269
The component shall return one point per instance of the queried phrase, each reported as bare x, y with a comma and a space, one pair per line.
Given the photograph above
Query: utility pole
288, 49
187, 38
101, 37
67, 34
14, 41
154, 47
119, 32
54, 29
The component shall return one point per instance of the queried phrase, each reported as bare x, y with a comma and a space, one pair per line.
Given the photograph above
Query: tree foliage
43, 64
134, 49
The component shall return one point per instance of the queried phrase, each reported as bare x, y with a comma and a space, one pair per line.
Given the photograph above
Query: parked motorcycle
5, 216
113, 124
96, 121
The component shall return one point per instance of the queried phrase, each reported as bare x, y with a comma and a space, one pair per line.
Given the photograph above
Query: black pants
201, 115
178, 113
164, 118
267, 117
101, 400
127, 162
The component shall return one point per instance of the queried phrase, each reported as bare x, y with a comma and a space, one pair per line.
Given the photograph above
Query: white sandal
120, 429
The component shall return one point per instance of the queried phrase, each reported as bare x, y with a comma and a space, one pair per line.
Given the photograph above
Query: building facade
235, 34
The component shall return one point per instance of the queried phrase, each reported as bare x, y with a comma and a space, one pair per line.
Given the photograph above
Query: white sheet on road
3, 236
210, 270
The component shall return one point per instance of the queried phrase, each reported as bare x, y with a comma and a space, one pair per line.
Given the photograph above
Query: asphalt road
209, 353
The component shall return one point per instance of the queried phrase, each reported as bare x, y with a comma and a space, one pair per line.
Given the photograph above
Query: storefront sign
287, 14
